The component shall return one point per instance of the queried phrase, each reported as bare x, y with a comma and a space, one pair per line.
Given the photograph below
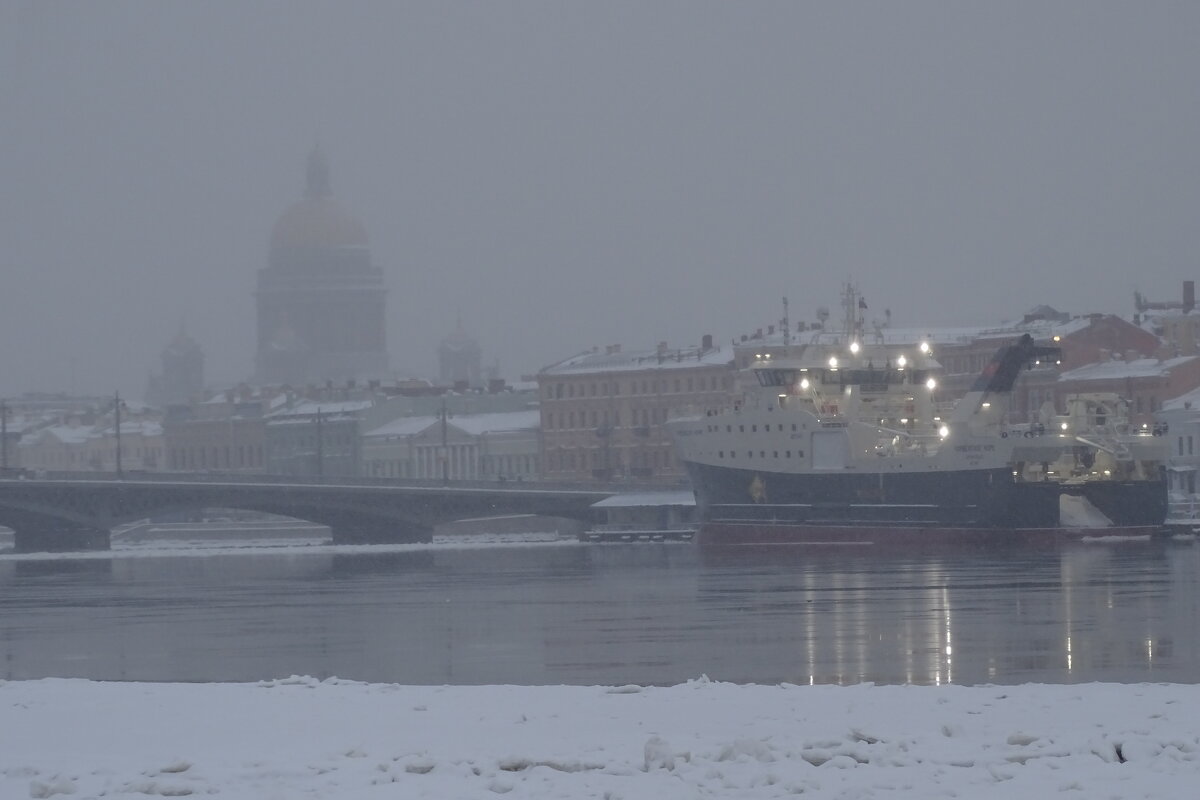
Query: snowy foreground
303, 738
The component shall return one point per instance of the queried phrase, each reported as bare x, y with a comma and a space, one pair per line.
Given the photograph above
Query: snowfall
302, 737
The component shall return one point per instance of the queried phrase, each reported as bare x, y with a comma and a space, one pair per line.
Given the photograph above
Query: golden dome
317, 221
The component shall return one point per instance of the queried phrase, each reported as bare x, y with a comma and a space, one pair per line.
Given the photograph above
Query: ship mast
853, 305
787, 325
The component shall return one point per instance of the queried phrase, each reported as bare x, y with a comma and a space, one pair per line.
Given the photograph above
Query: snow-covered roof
497, 422
631, 360
640, 499
64, 434
404, 426
309, 408
1137, 368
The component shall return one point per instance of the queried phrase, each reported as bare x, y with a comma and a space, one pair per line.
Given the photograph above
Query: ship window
787, 454
720, 454
775, 454
762, 453
741, 428
1189, 444
793, 426
729, 429
754, 429
749, 454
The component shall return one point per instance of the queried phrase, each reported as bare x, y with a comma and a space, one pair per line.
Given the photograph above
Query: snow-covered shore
301, 737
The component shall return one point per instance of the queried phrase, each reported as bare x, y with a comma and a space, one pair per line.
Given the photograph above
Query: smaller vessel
644, 517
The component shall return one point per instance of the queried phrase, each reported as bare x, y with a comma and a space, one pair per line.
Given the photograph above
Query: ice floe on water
300, 737
252, 546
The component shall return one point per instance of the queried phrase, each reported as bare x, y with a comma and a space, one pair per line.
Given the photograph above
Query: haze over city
563, 176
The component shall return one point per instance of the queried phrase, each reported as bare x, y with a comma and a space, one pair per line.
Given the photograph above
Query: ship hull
969, 505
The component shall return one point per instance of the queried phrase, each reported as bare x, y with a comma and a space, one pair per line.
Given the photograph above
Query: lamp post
3, 437
320, 447
117, 430
445, 449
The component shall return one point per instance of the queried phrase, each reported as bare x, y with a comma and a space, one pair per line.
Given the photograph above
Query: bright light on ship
943, 431
854, 347
901, 361
924, 347
1064, 426
804, 383
931, 383
833, 361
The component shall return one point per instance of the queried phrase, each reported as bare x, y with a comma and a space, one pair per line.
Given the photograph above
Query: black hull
960, 499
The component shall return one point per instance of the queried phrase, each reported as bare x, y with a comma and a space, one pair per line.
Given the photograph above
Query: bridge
77, 511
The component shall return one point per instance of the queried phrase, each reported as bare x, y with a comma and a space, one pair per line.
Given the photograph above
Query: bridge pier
58, 539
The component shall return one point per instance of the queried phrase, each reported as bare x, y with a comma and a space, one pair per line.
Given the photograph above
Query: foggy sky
566, 174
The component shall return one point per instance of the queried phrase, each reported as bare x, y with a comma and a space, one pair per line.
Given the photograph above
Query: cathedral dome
317, 221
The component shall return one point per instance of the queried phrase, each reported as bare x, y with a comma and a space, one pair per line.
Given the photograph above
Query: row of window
761, 454
753, 428
570, 389
584, 458
240, 457
499, 466
568, 420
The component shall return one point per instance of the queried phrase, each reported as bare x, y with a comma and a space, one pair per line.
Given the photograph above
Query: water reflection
643, 613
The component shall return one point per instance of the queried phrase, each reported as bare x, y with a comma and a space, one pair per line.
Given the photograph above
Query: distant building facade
500, 446
602, 413
460, 360
225, 433
320, 301
316, 438
181, 380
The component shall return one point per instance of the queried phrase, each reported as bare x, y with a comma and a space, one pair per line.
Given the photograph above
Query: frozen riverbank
306, 738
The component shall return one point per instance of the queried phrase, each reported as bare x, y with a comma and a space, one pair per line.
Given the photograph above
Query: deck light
804, 383
854, 347
1064, 426
931, 383
924, 347
901, 361
943, 431
833, 362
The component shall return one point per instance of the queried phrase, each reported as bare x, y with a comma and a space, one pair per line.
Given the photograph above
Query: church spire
318, 175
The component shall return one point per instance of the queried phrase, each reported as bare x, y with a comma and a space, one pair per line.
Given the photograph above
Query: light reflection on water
613, 614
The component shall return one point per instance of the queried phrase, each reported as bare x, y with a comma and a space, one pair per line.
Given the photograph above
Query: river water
553, 613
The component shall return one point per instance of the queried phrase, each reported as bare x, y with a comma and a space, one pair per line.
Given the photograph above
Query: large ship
838, 439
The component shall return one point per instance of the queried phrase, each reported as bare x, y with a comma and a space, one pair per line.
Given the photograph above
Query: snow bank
301, 737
